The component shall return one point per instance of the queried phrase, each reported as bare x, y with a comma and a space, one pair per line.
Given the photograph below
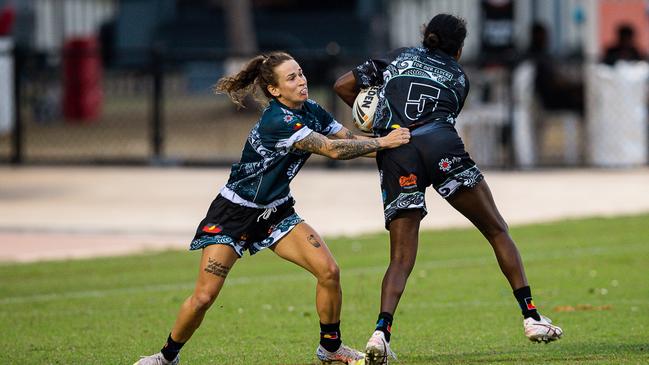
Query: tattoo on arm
314, 143
348, 134
343, 149
345, 133
350, 149
216, 268
313, 241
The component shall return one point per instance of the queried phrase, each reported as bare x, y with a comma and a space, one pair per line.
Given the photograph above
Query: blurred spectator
624, 49
7, 18
556, 90
107, 42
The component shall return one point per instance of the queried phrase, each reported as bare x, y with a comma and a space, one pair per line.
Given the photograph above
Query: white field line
265, 279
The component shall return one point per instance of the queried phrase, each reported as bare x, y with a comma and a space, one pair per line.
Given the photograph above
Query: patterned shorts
244, 228
435, 156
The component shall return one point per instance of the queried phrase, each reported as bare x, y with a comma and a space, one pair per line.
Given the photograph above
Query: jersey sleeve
281, 130
329, 124
461, 86
370, 72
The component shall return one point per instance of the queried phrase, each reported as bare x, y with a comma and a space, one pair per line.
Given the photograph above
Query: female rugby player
423, 89
255, 208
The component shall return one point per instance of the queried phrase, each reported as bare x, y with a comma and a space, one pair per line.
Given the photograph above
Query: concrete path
72, 212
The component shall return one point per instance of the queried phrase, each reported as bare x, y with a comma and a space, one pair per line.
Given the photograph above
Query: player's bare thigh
304, 247
216, 262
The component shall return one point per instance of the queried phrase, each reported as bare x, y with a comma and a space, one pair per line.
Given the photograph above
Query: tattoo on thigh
216, 268
313, 241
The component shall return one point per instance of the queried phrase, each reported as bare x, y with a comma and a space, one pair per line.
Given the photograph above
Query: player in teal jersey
254, 210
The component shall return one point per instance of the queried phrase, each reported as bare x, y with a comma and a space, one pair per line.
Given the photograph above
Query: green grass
457, 308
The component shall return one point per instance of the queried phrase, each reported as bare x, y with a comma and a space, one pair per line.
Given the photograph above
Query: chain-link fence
73, 111
99, 83
617, 114
592, 115
163, 111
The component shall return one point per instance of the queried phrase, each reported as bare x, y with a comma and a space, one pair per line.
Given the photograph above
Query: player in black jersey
423, 89
254, 210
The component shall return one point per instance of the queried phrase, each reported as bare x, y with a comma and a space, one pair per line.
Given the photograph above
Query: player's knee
202, 300
404, 262
329, 275
495, 229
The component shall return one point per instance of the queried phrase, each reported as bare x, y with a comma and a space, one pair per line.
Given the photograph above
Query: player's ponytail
258, 72
446, 33
431, 41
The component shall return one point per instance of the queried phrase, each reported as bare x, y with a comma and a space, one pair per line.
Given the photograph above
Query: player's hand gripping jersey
419, 87
268, 161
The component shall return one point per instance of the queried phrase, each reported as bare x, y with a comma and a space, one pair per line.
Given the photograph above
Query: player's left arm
345, 133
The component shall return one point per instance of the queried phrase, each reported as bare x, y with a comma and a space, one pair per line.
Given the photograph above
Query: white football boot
378, 350
157, 359
542, 330
344, 355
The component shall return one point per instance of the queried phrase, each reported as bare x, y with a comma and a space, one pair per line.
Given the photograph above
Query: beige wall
614, 12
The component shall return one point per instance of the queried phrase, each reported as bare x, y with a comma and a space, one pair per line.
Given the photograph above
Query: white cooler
6, 86
617, 114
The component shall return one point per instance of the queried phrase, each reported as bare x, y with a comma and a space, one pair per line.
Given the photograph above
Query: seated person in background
624, 48
556, 91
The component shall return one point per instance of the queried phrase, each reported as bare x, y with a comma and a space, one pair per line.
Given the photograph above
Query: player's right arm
346, 149
369, 73
346, 88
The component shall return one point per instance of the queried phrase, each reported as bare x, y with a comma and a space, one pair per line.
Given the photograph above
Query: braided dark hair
258, 72
445, 32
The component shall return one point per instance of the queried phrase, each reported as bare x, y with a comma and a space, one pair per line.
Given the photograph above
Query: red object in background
7, 18
82, 72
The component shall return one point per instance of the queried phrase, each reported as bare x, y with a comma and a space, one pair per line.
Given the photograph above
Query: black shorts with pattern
244, 228
435, 156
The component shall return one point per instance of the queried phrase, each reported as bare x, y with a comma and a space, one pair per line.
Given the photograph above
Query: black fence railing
161, 111
69, 110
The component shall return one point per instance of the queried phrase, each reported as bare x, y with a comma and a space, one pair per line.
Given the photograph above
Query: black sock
384, 324
171, 349
330, 336
524, 297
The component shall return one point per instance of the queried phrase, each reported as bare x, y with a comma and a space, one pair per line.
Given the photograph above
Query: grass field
589, 276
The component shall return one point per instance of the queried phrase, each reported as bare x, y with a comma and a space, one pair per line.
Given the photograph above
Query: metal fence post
334, 62
17, 135
157, 105
507, 132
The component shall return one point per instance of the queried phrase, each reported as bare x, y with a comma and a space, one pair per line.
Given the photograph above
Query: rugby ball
364, 107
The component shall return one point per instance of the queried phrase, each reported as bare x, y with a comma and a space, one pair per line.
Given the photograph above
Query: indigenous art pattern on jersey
269, 161
418, 87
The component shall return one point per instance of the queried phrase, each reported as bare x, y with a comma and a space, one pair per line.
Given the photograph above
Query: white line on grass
446, 263
437, 304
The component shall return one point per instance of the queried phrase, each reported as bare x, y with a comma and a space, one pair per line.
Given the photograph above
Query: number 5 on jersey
418, 95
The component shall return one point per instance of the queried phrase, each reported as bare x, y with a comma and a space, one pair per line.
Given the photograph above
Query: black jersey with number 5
418, 86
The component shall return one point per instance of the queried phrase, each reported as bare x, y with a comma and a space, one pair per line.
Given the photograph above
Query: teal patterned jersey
418, 86
269, 161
